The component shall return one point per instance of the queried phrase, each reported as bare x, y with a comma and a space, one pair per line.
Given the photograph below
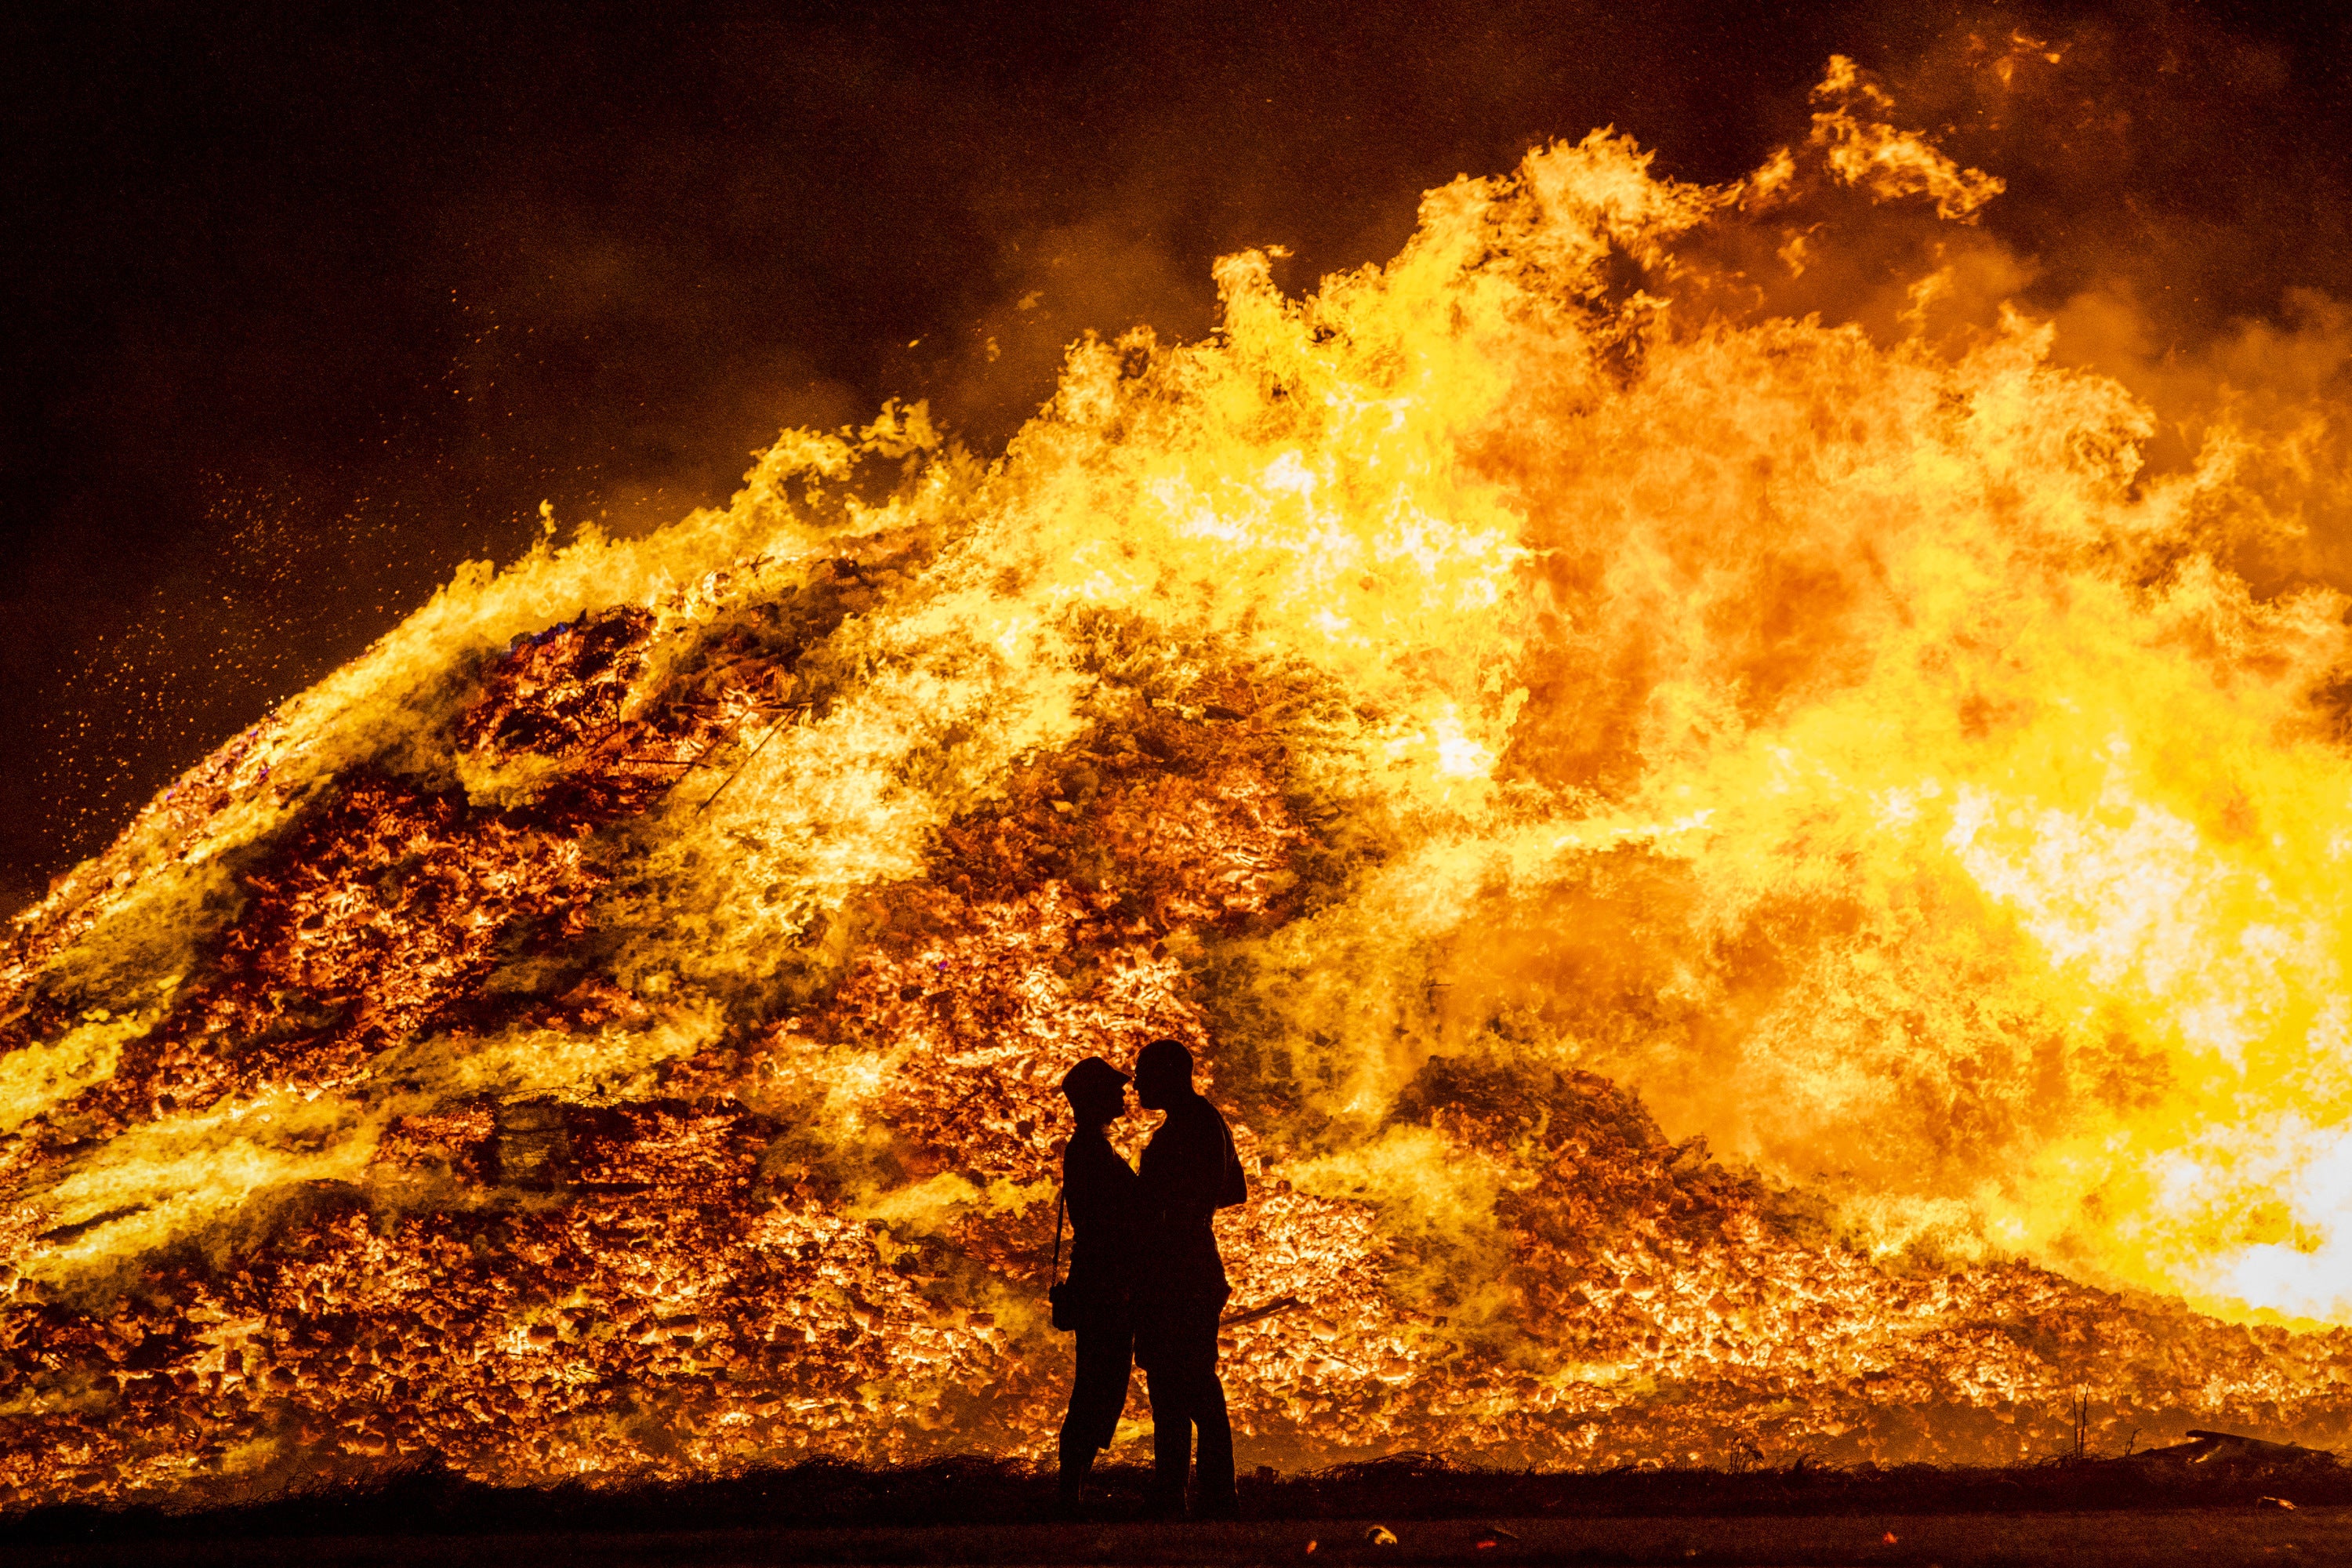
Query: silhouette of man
1190, 1171
1101, 1193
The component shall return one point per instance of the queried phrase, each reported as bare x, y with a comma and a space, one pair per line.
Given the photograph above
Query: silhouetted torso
1189, 1173
1101, 1193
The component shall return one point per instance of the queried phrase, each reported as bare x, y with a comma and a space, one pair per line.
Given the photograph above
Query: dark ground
2219, 1500
2219, 1538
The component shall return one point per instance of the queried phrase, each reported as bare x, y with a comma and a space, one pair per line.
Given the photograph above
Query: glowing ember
611, 1028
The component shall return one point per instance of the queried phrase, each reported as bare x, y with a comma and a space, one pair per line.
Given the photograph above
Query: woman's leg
1097, 1396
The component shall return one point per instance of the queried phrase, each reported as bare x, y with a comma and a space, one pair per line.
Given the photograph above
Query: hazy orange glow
1493, 701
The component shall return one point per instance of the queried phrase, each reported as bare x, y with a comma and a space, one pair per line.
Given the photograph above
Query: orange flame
1503, 690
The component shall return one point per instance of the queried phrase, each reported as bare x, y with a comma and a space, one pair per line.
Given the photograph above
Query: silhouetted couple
1145, 1278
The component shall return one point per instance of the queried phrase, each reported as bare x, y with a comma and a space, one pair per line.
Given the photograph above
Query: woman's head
1097, 1092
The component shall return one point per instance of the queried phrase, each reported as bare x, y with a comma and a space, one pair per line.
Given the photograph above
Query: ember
1748, 890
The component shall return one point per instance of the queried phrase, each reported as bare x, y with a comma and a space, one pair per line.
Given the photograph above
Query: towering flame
1751, 883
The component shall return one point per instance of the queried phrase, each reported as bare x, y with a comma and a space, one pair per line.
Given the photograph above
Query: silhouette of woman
1100, 1191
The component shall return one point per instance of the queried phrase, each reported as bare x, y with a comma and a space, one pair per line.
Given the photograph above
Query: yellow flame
1848, 741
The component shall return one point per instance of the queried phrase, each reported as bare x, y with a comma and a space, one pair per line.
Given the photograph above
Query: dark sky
305, 307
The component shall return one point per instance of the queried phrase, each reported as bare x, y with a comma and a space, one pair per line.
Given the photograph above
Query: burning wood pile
1498, 704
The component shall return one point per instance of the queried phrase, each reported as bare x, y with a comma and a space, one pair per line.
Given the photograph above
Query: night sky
307, 307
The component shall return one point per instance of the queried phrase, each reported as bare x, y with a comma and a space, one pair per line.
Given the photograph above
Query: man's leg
1171, 1437
1212, 1488
1185, 1393
1215, 1494
1077, 1459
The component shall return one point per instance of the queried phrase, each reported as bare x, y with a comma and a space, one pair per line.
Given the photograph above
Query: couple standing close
1145, 1279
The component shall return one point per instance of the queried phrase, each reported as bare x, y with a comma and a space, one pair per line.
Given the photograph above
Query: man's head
1096, 1091
1163, 1074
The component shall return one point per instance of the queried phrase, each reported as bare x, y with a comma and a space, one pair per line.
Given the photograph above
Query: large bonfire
1750, 887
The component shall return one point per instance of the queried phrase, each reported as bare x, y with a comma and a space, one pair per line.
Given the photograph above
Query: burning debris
610, 1029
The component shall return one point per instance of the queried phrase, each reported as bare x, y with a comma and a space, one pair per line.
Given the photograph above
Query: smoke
429, 283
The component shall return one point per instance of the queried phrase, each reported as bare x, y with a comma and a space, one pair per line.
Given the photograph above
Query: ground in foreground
2172, 1539
2217, 1500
